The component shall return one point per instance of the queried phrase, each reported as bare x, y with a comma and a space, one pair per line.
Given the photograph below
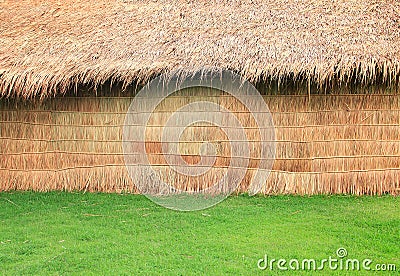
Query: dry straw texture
325, 144
47, 47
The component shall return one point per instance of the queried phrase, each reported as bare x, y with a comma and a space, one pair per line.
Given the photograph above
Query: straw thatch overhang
50, 47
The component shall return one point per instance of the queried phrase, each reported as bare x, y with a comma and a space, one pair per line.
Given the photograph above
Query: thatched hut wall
338, 142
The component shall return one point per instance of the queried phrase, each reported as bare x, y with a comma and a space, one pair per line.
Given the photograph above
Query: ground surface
67, 233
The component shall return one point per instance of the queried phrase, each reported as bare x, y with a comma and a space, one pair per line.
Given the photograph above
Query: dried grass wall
325, 143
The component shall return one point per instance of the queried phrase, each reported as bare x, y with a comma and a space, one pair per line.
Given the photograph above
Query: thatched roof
49, 46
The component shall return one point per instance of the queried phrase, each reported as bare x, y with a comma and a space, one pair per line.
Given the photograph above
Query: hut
328, 71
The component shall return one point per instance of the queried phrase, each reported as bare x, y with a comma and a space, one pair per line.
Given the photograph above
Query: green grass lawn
74, 233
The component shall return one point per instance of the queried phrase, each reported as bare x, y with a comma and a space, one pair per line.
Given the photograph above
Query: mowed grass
74, 233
